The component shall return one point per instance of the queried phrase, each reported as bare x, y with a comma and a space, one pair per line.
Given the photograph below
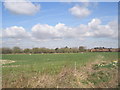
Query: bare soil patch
3, 62
6, 61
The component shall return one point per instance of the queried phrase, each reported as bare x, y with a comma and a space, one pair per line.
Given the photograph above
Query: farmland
68, 70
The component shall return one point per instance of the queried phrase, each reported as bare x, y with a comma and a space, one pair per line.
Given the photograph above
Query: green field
55, 70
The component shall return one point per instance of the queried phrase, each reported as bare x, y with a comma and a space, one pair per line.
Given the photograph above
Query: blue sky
53, 13
55, 24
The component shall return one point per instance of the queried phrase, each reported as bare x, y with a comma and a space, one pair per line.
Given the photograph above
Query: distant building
103, 49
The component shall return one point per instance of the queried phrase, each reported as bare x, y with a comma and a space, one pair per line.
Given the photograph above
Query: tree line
14, 50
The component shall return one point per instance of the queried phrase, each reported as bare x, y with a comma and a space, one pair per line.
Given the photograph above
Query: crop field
70, 70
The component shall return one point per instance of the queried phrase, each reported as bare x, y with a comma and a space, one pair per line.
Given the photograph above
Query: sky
58, 24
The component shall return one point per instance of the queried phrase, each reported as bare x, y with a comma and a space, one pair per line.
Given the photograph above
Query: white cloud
24, 7
43, 32
93, 29
80, 11
94, 22
0, 33
59, 31
109, 30
15, 32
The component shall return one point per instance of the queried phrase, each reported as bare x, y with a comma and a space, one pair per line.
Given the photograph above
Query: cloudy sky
59, 24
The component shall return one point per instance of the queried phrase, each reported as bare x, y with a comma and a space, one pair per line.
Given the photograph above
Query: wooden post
75, 69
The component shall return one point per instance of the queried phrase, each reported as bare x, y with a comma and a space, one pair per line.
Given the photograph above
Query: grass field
73, 70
